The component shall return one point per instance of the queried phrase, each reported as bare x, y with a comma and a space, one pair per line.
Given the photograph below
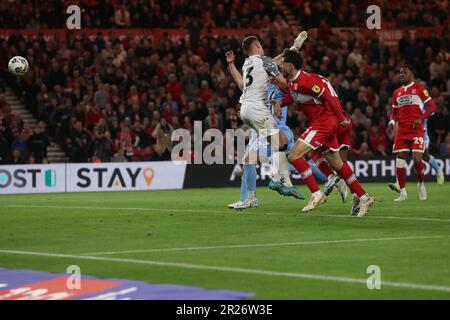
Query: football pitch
189, 237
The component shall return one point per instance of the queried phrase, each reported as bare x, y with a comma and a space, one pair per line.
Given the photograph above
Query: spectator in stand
16, 157
61, 120
205, 93
38, 143
363, 151
162, 134
213, 120
101, 147
101, 97
20, 144
92, 117
80, 140
126, 140
174, 87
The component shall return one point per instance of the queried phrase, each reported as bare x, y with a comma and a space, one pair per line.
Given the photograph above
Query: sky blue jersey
276, 94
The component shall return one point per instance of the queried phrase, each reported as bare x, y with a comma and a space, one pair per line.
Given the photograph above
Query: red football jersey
408, 103
306, 89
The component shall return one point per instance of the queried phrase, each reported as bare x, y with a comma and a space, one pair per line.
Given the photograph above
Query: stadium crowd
214, 13
120, 100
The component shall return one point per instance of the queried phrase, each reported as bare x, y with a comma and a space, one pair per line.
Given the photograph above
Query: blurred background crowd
120, 99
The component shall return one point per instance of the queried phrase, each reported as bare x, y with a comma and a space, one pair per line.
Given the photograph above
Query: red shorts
344, 136
411, 140
321, 135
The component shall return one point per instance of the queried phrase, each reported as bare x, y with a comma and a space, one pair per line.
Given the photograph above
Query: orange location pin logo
149, 173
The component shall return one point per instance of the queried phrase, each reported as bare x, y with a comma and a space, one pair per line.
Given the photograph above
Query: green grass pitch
190, 237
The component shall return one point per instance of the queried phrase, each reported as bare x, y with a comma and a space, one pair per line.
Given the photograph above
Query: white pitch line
226, 211
110, 208
233, 270
263, 245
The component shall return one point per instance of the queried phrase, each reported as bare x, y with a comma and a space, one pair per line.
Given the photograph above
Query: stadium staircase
290, 17
54, 152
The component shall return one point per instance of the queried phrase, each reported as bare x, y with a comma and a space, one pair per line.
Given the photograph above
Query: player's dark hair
294, 57
408, 66
247, 42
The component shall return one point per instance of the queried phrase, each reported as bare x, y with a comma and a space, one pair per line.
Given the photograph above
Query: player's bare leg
401, 175
296, 158
419, 168
346, 173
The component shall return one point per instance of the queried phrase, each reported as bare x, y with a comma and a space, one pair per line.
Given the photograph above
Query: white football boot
234, 204
365, 202
249, 203
422, 191
403, 196
316, 199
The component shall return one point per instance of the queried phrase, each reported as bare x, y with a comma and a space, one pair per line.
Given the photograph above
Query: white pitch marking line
225, 211
109, 208
232, 269
262, 245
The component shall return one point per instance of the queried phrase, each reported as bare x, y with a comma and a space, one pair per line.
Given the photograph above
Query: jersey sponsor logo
316, 88
404, 100
301, 98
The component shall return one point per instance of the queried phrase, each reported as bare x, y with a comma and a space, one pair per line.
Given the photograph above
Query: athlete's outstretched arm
235, 74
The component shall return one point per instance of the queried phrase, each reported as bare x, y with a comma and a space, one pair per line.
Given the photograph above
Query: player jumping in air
411, 106
261, 148
320, 104
258, 71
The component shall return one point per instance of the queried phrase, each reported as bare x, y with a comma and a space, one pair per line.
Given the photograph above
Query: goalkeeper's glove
298, 42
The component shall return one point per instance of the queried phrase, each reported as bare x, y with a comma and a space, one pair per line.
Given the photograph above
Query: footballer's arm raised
235, 74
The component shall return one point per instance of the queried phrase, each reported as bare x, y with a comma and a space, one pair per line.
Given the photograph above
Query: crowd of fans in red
119, 100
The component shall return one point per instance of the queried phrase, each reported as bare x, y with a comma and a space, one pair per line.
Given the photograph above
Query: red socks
419, 167
347, 174
305, 171
321, 163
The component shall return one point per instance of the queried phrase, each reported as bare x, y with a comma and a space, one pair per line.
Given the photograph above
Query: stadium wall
166, 175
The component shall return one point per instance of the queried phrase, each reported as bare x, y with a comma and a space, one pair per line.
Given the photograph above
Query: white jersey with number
257, 71
255, 107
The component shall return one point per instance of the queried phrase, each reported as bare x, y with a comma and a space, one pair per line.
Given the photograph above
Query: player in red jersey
411, 105
343, 136
318, 101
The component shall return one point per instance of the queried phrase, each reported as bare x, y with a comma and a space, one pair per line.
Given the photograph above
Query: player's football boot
440, 176
343, 190
403, 196
276, 186
365, 202
330, 184
249, 203
234, 204
394, 187
422, 191
355, 205
292, 192
316, 199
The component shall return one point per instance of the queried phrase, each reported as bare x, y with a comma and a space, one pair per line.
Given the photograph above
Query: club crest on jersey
414, 91
316, 88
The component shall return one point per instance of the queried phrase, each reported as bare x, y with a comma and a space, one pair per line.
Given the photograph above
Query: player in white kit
257, 72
